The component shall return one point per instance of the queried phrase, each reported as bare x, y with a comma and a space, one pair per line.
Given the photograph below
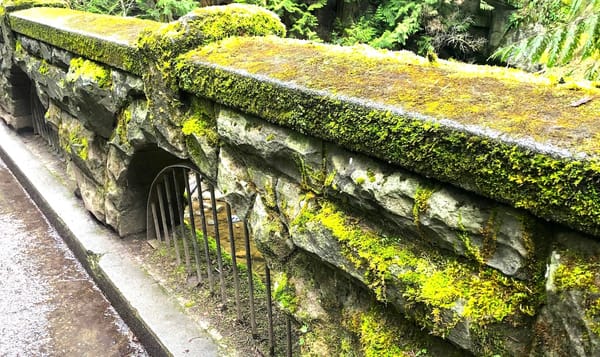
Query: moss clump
86, 69
436, 283
581, 275
296, 90
204, 25
421, 204
44, 68
377, 336
284, 293
78, 145
122, 123
200, 121
10, 6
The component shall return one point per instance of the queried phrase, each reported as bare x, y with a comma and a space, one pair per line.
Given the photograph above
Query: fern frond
555, 46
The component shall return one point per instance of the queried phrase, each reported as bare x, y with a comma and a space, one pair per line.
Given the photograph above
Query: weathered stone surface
92, 194
235, 184
569, 323
269, 234
291, 153
466, 224
87, 150
204, 154
61, 58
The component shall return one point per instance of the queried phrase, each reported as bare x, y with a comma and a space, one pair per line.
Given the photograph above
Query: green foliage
109, 7
391, 24
574, 35
298, 16
165, 10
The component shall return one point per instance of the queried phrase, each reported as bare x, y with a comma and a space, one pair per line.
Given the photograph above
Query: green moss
556, 187
10, 6
421, 204
576, 273
123, 120
86, 69
160, 46
43, 69
78, 145
438, 284
284, 293
376, 335
102, 38
371, 175
472, 250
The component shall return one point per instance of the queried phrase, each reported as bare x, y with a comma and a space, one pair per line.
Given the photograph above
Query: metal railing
42, 127
185, 214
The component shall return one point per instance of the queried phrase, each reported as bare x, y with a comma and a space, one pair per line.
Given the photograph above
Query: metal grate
40, 126
185, 214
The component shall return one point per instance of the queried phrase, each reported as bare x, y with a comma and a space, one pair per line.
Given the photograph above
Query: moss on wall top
509, 101
209, 24
107, 39
511, 136
13, 5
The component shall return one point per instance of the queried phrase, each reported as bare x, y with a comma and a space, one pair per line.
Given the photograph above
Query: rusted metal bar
172, 217
192, 224
209, 268
180, 209
155, 219
269, 312
236, 278
288, 335
163, 215
218, 243
250, 281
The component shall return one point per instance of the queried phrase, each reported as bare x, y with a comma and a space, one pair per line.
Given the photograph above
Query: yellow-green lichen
581, 275
78, 145
89, 70
122, 123
421, 203
43, 69
284, 293
377, 337
430, 280
251, 75
103, 38
204, 25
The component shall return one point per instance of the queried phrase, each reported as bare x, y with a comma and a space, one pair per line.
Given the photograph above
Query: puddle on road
49, 306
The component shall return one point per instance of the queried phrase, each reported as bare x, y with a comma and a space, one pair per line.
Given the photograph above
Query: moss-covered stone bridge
406, 205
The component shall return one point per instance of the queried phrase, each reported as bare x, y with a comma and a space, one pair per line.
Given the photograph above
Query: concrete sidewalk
155, 318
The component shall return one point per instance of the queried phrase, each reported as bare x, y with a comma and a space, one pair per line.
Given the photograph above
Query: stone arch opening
126, 204
16, 101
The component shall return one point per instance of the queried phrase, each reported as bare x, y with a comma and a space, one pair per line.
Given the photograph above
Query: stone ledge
389, 114
107, 39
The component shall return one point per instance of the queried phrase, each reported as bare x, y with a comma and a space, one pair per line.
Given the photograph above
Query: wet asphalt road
49, 306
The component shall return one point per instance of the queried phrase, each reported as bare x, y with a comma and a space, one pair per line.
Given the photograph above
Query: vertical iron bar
155, 219
211, 281
288, 329
186, 249
192, 223
163, 215
270, 312
236, 277
217, 237
250, 280
172, 218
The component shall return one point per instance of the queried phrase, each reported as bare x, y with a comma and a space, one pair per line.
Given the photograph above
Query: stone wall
371, 257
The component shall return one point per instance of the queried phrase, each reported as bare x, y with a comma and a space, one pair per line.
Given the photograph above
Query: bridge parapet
413, 184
